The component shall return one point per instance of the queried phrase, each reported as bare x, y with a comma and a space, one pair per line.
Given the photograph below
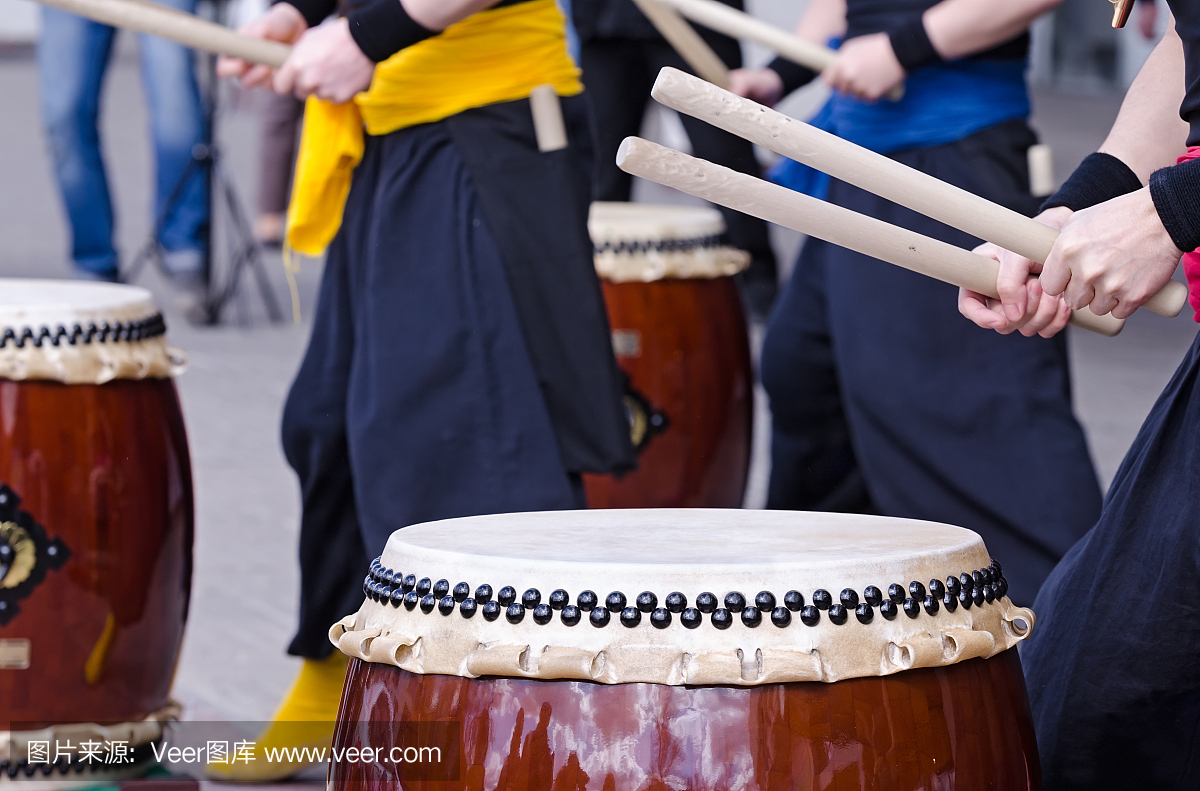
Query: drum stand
243, 247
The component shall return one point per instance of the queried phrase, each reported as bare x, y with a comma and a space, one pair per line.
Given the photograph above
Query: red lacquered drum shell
104, 468
964, 726
683, 345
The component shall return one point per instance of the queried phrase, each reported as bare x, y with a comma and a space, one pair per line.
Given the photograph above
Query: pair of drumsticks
785, 136
865, 169
839, 158
666, 16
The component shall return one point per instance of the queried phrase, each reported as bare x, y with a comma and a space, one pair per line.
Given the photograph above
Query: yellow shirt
498, 55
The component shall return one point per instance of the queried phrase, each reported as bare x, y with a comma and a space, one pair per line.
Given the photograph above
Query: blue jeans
73, 54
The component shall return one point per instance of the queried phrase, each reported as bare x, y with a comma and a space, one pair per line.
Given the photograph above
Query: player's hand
326, 63
282, 22
1023, 305
866, 68
1113, 256
762, 85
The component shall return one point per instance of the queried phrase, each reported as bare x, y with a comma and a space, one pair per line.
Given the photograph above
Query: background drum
95, 516
696, 649
680, 336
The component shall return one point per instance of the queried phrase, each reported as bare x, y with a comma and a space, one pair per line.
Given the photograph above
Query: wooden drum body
716, 675
679, 334
966, 726
95, 509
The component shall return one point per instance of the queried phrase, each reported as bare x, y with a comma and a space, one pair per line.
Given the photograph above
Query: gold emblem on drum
645, 422
26, 554
21, 557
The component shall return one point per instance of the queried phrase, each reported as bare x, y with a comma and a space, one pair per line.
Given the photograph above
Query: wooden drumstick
817, 218
686, 41
874, 173
1040, 159
740, 25
184, 28
548, 125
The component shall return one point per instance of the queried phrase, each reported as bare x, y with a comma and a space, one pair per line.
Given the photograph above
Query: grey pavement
233, 665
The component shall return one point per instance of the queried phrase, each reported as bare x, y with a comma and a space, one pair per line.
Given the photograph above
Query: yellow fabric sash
498, 55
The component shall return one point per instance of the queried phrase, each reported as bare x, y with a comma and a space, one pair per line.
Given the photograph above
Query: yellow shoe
300, 733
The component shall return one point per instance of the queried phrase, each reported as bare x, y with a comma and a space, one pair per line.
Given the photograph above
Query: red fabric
1191, 261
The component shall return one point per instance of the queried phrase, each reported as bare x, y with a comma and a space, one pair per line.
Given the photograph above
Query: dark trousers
1111, 665
417, 398
884, 399
619, 74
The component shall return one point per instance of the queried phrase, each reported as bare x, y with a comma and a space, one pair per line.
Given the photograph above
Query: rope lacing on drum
121, 331
658, 245
972, 588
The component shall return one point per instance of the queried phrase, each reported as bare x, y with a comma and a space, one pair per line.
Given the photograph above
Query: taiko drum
734, 650
679, 334
95, 506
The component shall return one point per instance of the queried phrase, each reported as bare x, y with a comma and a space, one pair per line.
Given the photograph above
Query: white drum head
646, 242
81, 333
689, 597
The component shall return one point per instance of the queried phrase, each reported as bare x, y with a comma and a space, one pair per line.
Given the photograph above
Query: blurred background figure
621, 53
894, 408
72, 56
281, 117
1147, 19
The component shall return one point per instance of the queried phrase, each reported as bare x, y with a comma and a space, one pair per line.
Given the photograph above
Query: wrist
1099, 178
792, 75
1175, 192
381, 28
911, 45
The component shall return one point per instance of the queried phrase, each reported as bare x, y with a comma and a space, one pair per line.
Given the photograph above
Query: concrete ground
233, 666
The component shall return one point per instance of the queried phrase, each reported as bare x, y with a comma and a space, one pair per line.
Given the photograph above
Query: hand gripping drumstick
740, 25
686, 41
874, 172
834, 224
170, 23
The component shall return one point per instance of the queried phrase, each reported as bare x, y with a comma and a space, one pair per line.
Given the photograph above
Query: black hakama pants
419, 397
885, 400
1113, 664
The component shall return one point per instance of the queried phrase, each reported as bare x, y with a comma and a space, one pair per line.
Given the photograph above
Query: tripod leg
244, 247
152, 249
250, 251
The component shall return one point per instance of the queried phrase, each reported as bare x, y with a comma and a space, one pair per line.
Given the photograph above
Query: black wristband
313, 11
794, 75
1099, 177
381, 28
1176, 195
912, 46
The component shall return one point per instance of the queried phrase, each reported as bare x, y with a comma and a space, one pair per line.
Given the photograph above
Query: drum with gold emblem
689, 649
679, 334
95, 526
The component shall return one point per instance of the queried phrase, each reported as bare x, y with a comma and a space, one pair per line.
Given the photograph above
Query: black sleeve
381, 28
313, 11
912, 46
1099, 178
1176, 194
794, 75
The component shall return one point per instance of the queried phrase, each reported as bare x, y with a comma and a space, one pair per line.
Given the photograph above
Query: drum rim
110, 331
615, 639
